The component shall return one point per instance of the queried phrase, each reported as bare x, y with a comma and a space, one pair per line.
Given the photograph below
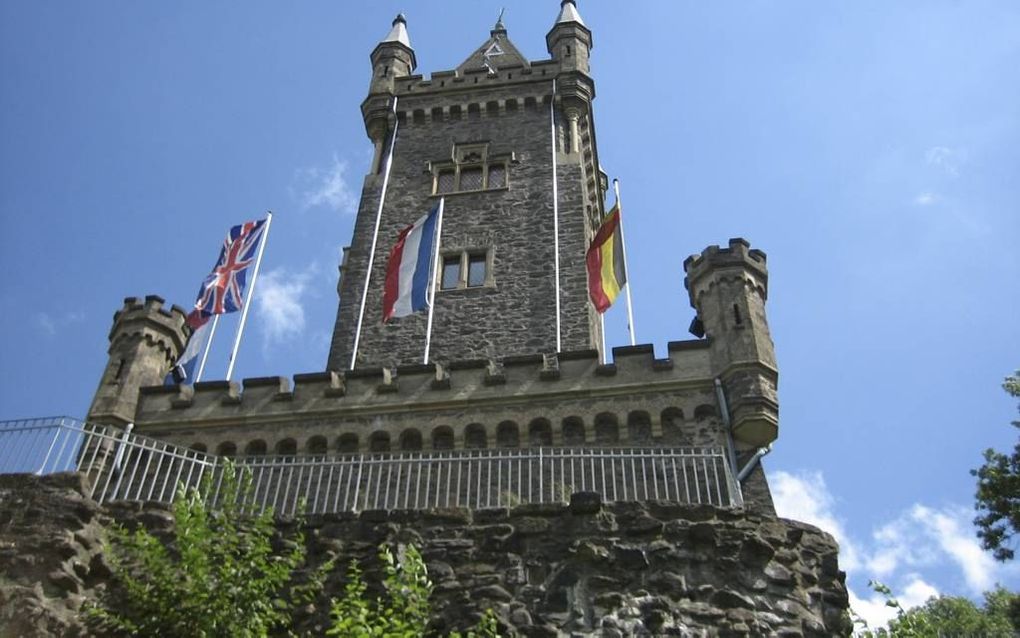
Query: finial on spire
499, 28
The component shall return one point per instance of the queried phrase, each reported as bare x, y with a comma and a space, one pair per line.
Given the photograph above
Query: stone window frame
464, 255
470, 156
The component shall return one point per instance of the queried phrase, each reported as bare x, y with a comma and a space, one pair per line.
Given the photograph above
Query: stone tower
145, 340
728, 288
484, 137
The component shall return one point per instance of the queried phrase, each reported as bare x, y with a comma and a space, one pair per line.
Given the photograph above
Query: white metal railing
125, 466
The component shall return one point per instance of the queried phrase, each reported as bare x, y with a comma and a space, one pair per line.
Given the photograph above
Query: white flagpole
556, 209
375, 235
432, 279
250, 294
602, 324
626, 271
208, 345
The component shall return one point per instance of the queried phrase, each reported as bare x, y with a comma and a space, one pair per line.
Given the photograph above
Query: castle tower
144, 341
481, 136
728, 288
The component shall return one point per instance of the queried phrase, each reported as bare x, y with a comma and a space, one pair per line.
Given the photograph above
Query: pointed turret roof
498, 51
568, 13
399, 32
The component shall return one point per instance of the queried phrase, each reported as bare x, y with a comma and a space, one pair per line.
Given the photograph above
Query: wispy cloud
280, 304
50, 325
898, 552
316, 187
926, 199
947, 159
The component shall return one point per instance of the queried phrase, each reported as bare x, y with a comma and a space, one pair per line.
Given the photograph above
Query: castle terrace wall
583, 569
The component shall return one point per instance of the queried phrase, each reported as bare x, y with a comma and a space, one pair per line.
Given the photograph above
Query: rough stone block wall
515, 315
584, 569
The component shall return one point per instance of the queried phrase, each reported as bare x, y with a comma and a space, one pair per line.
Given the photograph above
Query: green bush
218, 577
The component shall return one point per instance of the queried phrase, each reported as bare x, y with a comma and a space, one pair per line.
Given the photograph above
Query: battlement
521, 379
134, 314
738, 256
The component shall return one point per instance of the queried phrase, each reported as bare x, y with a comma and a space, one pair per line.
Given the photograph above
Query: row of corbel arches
605, 429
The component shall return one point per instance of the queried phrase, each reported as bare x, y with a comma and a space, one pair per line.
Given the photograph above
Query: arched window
607, 428
704, 411
286, 447
508, 434
379, 442
442, 438
347, 443
475, 436
227, 448
255, 448
539, 432
672, 426
410, 440
639, 427
316, 445
573, 431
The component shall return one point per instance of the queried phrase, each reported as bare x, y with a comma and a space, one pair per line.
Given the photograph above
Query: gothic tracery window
471, 169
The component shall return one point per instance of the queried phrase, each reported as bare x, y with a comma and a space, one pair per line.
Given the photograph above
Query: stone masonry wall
514, 315
587, 569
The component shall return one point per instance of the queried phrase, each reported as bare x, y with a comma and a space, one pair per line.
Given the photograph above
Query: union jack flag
222, 291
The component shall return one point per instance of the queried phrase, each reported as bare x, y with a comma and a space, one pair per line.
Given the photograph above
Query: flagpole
626, 270
375, 235
432, 279
556, 209
251, 293
208, 345
602, 324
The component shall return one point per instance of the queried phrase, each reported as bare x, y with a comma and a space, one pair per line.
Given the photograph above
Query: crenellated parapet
728, 288
145, 340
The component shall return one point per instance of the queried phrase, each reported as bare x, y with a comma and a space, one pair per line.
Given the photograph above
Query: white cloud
926, 199
898, 552
280, 304
945, 158
325, 187
806, 498
46, 323
876, 613
51, 325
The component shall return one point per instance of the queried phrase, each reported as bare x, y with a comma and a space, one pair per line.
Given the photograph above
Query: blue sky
870, 148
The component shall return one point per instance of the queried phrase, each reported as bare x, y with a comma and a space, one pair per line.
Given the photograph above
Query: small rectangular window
476, 270
451, 272
497, 176
444, 182
471, 179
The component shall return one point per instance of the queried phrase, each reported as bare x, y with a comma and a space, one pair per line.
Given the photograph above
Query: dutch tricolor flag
409, 268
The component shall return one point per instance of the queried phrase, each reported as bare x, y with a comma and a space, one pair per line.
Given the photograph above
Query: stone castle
499, 138
482, 136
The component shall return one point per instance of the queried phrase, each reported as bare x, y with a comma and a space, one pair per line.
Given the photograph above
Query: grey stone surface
696, 573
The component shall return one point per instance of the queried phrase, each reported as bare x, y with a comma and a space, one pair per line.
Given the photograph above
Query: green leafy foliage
403, 611
218, 577
998, 492
949, 616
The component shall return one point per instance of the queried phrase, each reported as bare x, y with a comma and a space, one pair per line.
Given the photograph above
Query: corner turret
145, 340
728, 288
392, 58
569, 41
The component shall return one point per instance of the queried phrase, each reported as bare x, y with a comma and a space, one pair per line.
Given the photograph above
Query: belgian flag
607, 272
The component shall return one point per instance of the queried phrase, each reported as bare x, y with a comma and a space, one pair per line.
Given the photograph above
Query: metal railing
125, 466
